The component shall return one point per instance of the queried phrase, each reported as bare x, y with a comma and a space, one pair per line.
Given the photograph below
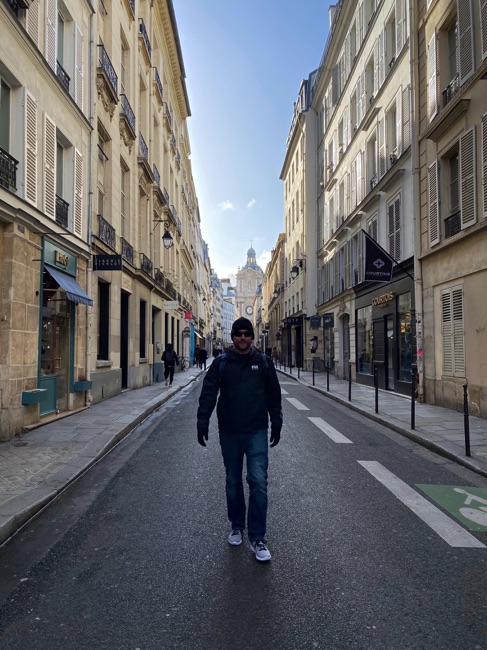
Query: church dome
251, 252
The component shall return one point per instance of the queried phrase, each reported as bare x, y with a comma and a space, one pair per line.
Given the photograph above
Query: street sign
465, 503
315, 322
107, 262
329, 320
171, 304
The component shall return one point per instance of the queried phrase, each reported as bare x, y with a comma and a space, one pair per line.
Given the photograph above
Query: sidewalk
38, 465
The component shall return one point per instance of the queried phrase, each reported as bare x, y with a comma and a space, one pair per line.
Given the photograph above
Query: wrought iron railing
106, 65
14, 6
143, 148
173, 141
451, 90
166, 196
106, 232
158, 82
157, 176
170, 289
178, 158
8, 170
127, 251
453, 224
63, 76
127, 112
145, 36
145, 264
62, 211
159, 277
167, 114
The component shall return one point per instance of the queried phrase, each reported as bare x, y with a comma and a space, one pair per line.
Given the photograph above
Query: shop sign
329, 320
315, 322
381, 301
58, 257
107, 262
188, 315
171, 304
61, 259
293, 320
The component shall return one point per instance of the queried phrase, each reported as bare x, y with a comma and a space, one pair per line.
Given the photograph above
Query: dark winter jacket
170, 358
250, 394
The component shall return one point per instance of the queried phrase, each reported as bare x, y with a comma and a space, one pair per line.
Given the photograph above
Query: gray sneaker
261, 551
235, 537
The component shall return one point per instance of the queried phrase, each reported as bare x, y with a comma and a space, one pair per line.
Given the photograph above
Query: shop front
385, 335
60, 293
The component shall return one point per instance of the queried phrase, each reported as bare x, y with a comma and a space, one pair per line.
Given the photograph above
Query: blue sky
244, 63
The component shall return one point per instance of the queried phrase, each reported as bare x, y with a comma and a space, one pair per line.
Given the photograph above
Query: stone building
249, 277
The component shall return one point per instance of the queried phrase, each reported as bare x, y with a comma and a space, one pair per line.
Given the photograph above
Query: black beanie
242, 324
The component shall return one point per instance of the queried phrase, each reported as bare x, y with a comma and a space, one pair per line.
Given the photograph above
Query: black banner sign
293, 320
329, 320
107, 262
378, 263
314, 322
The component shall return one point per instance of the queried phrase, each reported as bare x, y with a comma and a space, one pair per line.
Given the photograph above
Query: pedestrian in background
249, 394
196, 357
171, 360
203, 357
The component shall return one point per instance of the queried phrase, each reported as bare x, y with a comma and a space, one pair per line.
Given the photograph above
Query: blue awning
73, 291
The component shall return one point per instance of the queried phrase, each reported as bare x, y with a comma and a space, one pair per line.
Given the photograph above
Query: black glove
275, 436
202, 436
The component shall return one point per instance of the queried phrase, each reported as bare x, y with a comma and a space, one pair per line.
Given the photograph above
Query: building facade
249, 277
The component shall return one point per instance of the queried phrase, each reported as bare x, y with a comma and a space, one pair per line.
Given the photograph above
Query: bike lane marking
465, 503
332, 433
297, 404
451, 532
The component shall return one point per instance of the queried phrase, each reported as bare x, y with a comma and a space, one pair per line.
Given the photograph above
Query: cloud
225, 205
264, 259
251, 203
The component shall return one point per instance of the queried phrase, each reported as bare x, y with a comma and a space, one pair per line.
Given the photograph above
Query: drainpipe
89, 271
418, 279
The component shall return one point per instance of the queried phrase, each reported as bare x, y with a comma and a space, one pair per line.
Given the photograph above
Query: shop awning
198, 335
73, 291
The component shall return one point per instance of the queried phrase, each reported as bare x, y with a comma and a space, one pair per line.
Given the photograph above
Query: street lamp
167, 238
297, 264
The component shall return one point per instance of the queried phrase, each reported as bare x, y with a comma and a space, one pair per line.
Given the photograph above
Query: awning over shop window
73, 291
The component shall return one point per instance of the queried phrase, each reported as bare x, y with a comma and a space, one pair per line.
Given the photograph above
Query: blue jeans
255, 447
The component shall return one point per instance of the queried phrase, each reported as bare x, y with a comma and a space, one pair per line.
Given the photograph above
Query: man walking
250, 394
171, 360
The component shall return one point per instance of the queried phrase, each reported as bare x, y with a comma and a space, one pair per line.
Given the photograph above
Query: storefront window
330, 347
407, 340
365, 340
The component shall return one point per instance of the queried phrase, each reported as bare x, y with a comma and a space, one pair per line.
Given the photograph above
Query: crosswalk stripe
451, 532
332, 433
297, 404
284, 392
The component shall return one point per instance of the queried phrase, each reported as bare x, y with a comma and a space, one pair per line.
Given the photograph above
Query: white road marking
284, 392
451, 532
297, 404
332, 433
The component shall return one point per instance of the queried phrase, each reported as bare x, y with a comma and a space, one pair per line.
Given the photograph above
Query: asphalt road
134, 556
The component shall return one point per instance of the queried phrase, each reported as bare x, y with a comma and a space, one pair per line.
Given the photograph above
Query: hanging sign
171, 304
314, 322
107, 262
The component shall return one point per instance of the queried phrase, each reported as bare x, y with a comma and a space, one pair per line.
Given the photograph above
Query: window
391, 40
365, 340
353, 113
124, 66
124, 204
452, 332
370, 80
407, 340
142, 326
372, 162
4, 116
372, 227
103, 320
392, 125
394, 227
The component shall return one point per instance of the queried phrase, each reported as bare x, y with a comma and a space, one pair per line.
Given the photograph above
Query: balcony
62, 211
106, 232
144, 41
167, 119
171, 290
143, 148
8, 170
106, 81
178, 159
159, 277
145, 264
173, 142
453, 225
373, 181
127, 251
166, 196
157, 176
451, 90
158, 86
127, 121
63, 76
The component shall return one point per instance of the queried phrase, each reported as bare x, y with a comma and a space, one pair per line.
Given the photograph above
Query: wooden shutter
433, 204
49, 203
376, 67
32, 21
360, 180
432, 80
406, 118
452, 318
465, 40
51, 33
483, 27
400, 25
78, 67
446, 333
353, 184
381, 141
399, 124
382, 57
363, 97
484, 164
30, 152
78, 194
467, 168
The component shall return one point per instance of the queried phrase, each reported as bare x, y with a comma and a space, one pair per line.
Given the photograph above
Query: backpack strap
223, 360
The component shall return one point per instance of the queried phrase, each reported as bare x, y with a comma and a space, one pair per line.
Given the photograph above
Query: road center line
451, 532
297, 404
332, 433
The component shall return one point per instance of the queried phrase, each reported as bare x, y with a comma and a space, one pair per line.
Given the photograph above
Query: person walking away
249, 395
196, 358
171, 360
203, 357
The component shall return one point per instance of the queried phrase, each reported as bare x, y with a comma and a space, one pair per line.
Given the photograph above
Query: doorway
390, 384
124, 337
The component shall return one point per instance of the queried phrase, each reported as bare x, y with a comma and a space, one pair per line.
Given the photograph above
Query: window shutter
397, 226
433, 203
399, 124
432, 80
376, 67
78, 193
78, 67
346, 127
51, 33
465, 40
446, 333
484, 164
363, 107
406, 118
400, 25
466, 165
32, 21
30, 130
353, 184
483, 26
382, 57
458, 333
360, 182
49, 204
335, 91
347, 195
347, 55
381, 140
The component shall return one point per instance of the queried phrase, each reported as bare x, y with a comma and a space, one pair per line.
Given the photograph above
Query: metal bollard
313, 371
376, 387
414, 369
349, 381
299, 372
328, 377
466, 423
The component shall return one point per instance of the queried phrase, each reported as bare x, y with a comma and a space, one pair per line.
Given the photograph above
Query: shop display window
407, 339
365, 340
